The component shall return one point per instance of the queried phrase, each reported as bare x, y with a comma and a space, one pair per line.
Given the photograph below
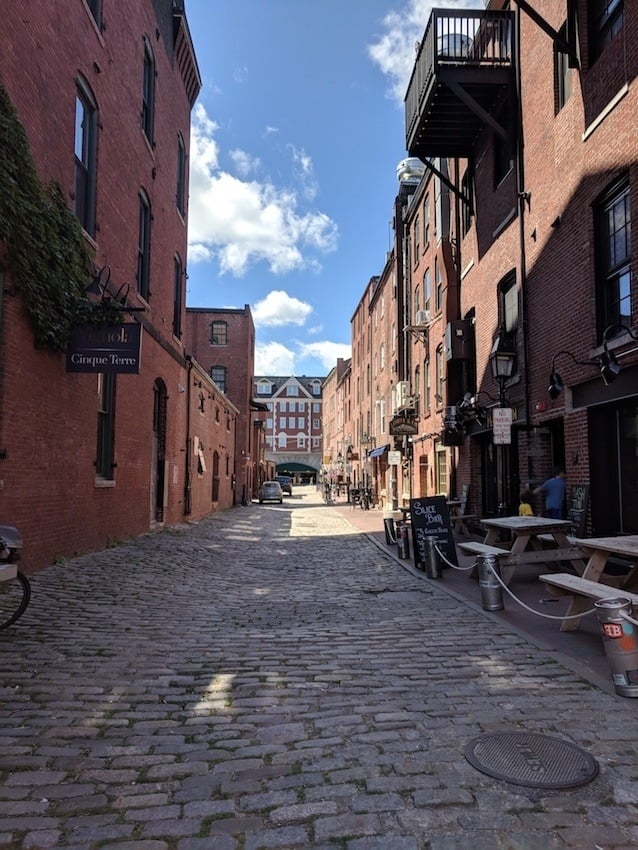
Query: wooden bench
473, 547
564, 584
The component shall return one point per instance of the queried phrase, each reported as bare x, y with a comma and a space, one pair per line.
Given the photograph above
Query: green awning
288, 468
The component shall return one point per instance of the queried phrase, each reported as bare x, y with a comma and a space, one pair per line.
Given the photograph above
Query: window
301, 423
282, 441
508, 308
613, 256
427, 290
85, 158
263, 387
426, 221
316, 388
218, 374
144, 247
427, 386
607, 17
148, 91
438, 291
301, 441
104, 463
416, 236
562, 74
315, 424
219, 336
292, 390
467, 206
180, 199
178, 275
282, 423
283, 406
292, 422
95, 9
417, 296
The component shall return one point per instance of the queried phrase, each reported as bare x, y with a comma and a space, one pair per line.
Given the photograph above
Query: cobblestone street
270, 678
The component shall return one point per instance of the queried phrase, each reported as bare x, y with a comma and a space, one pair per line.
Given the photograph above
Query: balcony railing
472, 43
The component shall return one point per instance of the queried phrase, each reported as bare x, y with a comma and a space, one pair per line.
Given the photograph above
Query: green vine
47, 253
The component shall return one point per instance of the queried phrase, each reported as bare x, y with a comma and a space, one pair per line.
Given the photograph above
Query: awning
291, 467
380, 450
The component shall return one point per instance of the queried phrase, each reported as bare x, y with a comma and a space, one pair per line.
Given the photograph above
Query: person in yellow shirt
525, 507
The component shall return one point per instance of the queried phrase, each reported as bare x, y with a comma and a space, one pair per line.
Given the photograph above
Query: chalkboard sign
431, 518
577, 509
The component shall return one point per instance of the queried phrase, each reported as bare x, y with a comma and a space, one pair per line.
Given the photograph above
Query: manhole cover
527, 758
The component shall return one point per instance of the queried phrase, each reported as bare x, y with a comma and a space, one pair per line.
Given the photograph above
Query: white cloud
394, 51
244, 162
278, 308
273, 358
326, 352
242, 223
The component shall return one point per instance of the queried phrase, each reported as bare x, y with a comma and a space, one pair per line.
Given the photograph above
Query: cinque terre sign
109, 348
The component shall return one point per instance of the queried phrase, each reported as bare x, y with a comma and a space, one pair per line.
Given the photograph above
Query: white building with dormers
293, 424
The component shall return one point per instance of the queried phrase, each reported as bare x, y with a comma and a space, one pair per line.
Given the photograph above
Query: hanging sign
394, 458
108, 348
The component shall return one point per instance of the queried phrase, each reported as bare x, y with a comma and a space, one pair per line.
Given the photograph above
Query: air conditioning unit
401, 397
422, 317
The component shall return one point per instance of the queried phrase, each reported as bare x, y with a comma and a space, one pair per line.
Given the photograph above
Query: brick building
527, 119
223, 343
97, 98
292, 423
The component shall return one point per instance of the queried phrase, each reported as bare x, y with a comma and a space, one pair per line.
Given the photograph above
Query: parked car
270, 491
286, 483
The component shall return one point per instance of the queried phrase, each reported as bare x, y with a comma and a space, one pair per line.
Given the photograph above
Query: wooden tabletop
528, 524
626, 545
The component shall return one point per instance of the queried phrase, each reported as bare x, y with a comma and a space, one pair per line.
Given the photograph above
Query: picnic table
588, 586
526, 546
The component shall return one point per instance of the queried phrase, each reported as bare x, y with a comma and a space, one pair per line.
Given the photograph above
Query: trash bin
403, 540
432, 558
490, 586
620, 641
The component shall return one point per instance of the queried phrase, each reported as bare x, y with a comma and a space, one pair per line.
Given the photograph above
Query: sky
295, 140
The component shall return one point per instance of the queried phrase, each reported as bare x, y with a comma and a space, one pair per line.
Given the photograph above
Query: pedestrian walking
554, 492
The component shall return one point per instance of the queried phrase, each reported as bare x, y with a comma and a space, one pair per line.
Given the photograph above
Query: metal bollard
620, 640
432, 559
491, 590
403, 542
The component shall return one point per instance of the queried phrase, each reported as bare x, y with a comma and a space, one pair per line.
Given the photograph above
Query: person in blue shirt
554, 492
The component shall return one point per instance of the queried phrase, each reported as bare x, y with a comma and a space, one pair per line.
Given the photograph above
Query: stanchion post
620, 642
491, 590
432, 560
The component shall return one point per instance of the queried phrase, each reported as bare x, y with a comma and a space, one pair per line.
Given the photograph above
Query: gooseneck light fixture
607, 362
556, 385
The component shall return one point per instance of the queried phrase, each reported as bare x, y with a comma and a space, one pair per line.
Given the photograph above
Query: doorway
158, 462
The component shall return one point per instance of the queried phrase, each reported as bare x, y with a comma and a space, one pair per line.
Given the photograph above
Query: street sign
502, 425
394, 458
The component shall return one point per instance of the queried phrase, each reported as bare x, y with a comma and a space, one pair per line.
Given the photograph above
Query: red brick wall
48, 418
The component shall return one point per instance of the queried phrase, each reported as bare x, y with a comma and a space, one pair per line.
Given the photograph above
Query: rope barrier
514, 597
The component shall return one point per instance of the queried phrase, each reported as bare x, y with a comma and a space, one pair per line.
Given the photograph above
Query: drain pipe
523, 199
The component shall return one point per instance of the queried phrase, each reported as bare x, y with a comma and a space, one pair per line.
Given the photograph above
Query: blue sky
295, 140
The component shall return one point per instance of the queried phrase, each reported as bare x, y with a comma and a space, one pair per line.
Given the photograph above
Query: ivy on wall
45, 247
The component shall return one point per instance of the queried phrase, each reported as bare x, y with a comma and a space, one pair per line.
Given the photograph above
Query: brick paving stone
324, 701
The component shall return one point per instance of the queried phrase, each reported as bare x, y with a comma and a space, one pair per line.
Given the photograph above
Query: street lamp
502, 362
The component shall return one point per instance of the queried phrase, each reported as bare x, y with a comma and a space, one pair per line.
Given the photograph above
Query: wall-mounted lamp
609, 365
556, 385
502, 361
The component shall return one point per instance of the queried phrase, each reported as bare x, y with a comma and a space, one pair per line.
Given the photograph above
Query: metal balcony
462, 74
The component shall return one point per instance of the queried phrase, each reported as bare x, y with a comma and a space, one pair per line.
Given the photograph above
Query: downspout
523, 199
188, 496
